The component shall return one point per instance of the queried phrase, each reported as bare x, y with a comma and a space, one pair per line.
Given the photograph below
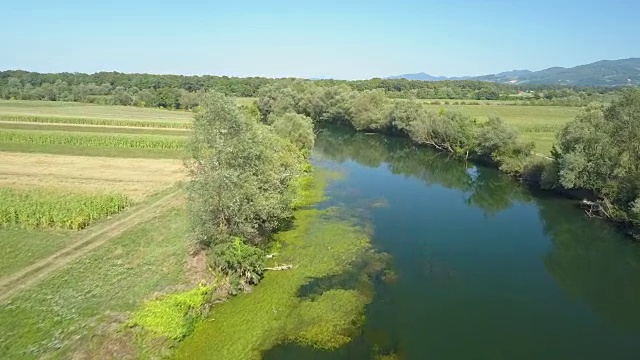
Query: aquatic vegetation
311, 185
389, 276
172, 316
329, 321
318, 246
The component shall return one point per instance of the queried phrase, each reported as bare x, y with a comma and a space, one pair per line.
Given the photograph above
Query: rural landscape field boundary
84, 244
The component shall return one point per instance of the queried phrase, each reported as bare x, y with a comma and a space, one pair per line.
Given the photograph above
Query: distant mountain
600, 73
419, 76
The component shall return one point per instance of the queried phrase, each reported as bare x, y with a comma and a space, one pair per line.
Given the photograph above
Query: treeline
597, 154
185, 92
372, 110
246, 178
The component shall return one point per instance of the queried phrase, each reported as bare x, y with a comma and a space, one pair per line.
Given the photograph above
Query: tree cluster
599, 151
244, 180
373, 110
106, 94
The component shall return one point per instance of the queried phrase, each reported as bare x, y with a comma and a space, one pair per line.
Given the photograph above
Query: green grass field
84, 298
94, 129
21, 247
538, 124
73, 283
82, 110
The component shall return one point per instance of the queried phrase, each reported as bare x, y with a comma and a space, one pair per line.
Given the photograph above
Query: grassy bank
319, 245
92, 294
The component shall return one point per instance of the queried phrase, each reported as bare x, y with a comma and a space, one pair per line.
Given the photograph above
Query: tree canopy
599, 151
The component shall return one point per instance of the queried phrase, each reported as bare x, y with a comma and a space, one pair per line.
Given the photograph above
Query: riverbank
322, 244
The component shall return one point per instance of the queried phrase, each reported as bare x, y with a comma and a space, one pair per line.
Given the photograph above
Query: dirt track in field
85, 242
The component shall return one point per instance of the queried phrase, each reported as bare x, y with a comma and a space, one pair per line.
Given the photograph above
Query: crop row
93, 140
41, 209
96, 121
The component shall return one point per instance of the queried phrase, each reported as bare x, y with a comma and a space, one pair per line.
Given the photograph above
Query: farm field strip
83, 244
112, 129
45, 208
526, 115
135, 178
75, 150
70, 281
83, 110
92, 140
95, 121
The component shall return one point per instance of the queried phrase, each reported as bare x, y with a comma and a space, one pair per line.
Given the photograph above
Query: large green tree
242, 175
296, 128
370, 110
600, 151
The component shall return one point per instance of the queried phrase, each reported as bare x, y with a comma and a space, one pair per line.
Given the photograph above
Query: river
486, 269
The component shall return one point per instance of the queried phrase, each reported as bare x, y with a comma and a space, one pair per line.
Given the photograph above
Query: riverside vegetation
595, 154
249, 194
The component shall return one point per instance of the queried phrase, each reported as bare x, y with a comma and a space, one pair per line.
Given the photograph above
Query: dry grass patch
135, 178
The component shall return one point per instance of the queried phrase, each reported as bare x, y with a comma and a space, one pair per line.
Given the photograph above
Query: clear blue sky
339, 39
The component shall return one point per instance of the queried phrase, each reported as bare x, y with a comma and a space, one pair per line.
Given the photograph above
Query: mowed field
538, 124
92, 222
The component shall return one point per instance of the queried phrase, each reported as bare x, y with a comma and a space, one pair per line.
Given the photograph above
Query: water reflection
483, 187
593, 262
527, 277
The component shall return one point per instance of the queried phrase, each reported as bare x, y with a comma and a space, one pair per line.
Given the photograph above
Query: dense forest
186, 92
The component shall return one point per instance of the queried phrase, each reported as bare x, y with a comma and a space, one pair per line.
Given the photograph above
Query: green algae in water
172, 315
318, 246
330, 321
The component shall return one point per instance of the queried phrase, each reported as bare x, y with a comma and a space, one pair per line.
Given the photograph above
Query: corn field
92, 140
95, 121
40, 209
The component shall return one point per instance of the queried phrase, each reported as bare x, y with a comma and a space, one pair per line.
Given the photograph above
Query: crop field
135, 178
92, 220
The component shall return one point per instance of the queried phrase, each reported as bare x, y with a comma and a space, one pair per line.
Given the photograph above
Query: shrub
172, 316
239, 260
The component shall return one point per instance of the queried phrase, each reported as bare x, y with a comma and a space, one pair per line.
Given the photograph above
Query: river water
485, 269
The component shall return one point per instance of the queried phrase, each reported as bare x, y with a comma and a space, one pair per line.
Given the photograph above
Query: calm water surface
486, 270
